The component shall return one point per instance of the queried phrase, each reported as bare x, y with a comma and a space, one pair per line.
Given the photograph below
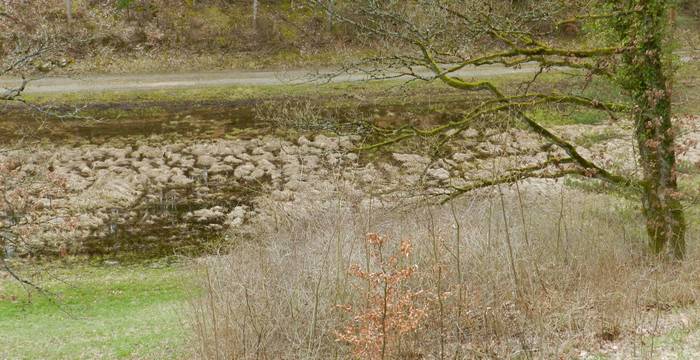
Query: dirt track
94, 83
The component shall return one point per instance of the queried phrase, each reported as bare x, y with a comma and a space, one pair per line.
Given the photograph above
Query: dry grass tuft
540, 274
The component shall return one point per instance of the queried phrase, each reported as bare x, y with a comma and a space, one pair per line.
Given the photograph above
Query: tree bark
649, 80
665, 220
255, 14
329, 14
69, 9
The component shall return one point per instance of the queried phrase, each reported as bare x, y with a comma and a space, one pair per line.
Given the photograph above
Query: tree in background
624, 43
69, 9
24, 56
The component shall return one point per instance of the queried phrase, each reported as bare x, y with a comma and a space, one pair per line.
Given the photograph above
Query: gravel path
93, 83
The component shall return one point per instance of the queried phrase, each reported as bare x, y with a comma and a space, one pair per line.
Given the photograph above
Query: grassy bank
95, 311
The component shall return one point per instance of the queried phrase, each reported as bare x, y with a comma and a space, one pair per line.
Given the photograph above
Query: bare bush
159, 30
389, 310
566, 274
24, 193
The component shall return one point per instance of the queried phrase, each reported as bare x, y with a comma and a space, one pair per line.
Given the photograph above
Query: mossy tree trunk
662, 207
629, 44
648, 77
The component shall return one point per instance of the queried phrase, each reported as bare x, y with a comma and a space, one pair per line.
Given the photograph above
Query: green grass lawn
105, 312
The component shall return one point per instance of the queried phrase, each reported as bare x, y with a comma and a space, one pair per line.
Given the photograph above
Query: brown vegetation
563, 276
102, 33
163, 35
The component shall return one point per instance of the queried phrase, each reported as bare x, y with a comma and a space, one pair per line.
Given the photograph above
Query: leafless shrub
24, 192
144, 28
579, 280
389, 310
